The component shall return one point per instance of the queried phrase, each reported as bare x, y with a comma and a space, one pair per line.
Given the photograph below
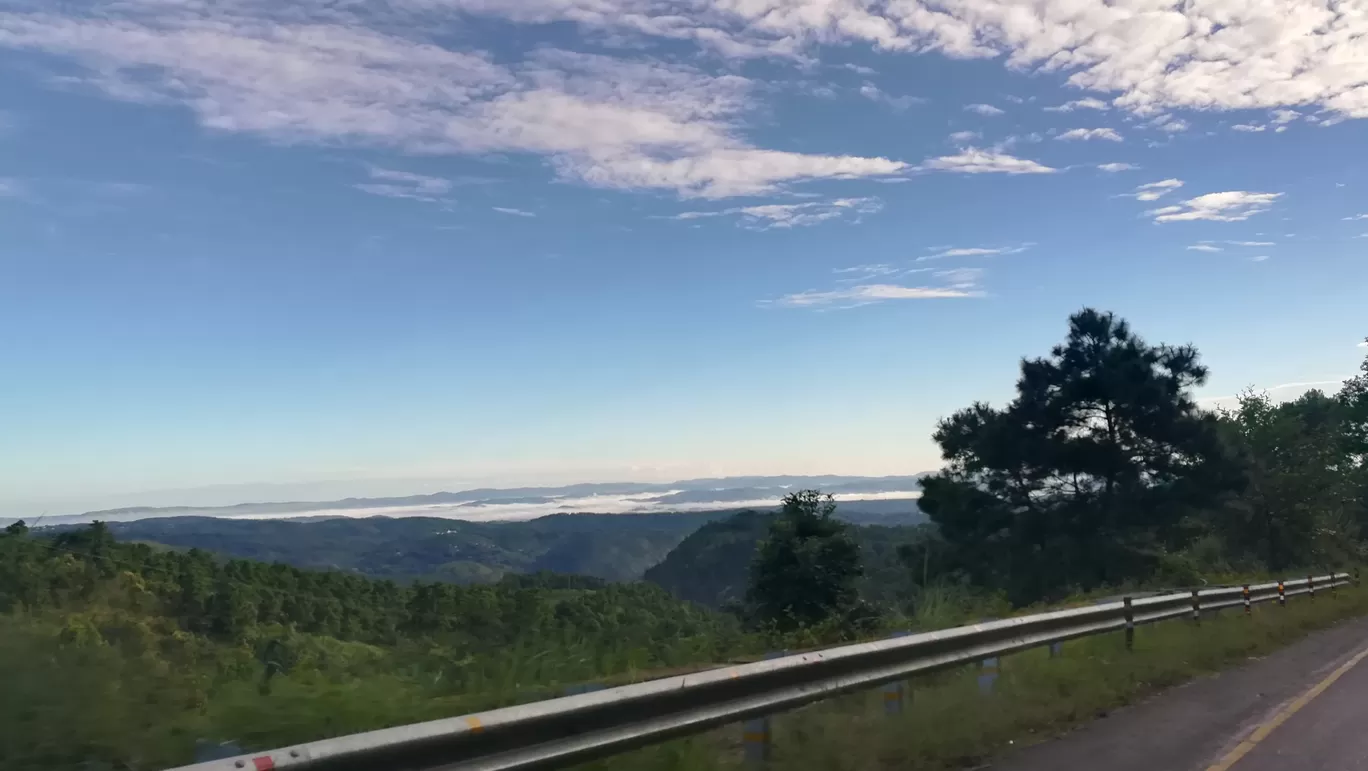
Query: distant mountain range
616, 547
869, 498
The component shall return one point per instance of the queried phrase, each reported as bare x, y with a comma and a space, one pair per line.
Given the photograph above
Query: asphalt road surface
1303, 708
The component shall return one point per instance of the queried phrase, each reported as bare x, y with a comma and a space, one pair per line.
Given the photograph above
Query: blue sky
437, 242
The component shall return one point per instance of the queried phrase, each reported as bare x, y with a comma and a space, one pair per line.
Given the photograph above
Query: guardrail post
988, 674
1196, 607
755, 736
1245, 594
1130, 623
1282, 594
895, 693
1311, 586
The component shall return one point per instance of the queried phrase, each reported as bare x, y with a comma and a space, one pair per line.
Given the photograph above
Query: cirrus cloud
604, 121
956, 283
390, 75
789, 215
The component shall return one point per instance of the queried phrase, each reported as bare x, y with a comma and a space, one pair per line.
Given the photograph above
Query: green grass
107, 686
948, 724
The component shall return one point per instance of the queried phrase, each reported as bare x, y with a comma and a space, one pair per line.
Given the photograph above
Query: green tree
1089, 475
1292, 510
806, 569
1353, 401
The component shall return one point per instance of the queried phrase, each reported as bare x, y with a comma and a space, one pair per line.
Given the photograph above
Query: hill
118, 655
614, 547
711, 566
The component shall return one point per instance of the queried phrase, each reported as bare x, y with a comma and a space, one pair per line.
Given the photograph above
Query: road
1303, 708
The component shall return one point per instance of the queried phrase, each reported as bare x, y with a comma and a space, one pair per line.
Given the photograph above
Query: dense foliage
806, 568
712, 566
108, 644
1103, 470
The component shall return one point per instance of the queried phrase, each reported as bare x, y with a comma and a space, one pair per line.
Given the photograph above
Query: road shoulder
1190, 727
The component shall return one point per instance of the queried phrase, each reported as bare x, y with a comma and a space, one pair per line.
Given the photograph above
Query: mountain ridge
525, 503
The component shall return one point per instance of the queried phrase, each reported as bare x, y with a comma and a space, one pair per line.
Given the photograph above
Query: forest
1101, 473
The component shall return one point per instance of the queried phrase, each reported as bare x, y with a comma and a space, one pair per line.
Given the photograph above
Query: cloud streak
1086, 134
959, 283
403, 184
984, 109
975, 251
790, 215
971, 160
1231, 206
1153, 191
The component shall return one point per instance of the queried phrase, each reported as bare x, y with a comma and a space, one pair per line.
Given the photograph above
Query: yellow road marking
474, 722
1262, 732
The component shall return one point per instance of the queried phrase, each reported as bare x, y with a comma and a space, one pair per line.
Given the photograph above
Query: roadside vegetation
1101, 476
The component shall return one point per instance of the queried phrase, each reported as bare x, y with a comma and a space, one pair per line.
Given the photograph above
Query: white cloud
963, 137
898, 103
973, 252
374, 74
1232, 206
1356, 217
1249, 127
1112, 168
402, 184
1085, 134
1079, 104
1153, 191
866, 294
873, 269
1281, 117
1363, 344
956, 283
11, 188
1205, 248
984, 109
788, 215
1170, 124
974, 161
514, 212
603, 121
1250, 243
1259, 258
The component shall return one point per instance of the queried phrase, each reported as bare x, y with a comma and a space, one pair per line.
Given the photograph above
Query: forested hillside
712, 565
128, 654
615, 547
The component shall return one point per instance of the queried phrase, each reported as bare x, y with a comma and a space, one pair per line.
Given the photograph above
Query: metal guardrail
559, 732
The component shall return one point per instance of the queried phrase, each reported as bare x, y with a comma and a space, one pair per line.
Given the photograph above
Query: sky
251, 248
